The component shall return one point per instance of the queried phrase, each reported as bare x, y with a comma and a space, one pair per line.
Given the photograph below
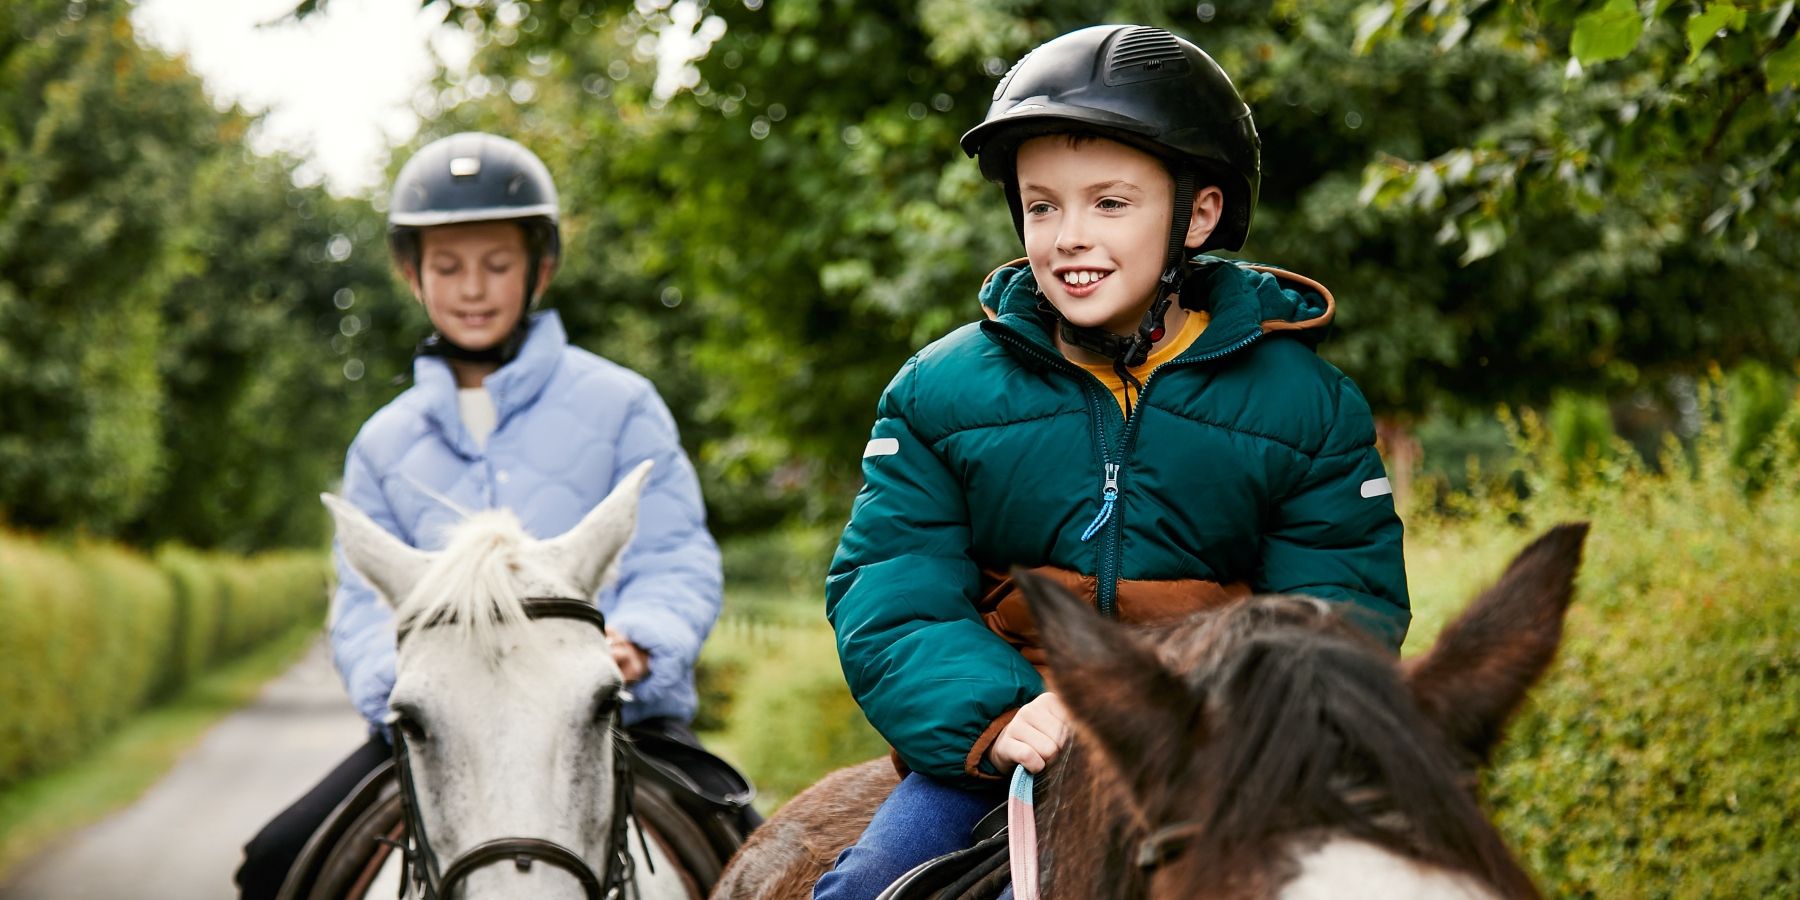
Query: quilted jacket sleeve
1335, 534
670, 586
928, 673
362, 625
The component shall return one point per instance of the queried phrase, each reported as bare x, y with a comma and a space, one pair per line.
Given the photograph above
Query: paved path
182, 838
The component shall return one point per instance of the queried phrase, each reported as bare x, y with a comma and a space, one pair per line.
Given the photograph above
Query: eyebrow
1092, 188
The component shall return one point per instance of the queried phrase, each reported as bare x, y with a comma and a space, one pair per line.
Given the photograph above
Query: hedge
90, 633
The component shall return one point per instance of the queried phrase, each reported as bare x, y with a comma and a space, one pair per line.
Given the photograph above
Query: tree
184, 330
1494, 228
92, 188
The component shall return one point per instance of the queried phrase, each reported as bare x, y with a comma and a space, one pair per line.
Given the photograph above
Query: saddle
979, 872
696, 804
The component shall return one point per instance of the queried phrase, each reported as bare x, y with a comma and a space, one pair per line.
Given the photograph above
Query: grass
36, 812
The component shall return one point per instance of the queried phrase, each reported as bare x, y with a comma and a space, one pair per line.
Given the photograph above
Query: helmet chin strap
436, 344
1128, 351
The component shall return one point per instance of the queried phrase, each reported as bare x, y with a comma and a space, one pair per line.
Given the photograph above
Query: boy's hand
631, 659
1034, 736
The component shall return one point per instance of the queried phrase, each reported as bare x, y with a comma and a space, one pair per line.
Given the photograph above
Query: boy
1147, 425
505, 413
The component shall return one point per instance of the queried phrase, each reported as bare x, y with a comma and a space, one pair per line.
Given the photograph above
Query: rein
1021, 841
420, 860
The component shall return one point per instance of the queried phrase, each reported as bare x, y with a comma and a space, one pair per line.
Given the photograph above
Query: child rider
1148, 425
505, 412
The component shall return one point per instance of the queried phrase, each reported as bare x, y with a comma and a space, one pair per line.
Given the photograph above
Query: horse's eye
407, 722
606, 700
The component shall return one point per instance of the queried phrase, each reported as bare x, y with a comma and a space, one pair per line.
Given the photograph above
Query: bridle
421, 862
1366, 801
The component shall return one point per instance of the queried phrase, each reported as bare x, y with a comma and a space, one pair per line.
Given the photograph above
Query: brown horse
1262, 749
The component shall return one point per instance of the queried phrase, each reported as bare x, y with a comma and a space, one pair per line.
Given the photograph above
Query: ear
389, 564
1113, 682
587, 551
1477, 673
410, 272
546, 271
1209, 208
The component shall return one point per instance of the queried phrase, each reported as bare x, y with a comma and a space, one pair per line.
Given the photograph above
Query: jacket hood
1246, 299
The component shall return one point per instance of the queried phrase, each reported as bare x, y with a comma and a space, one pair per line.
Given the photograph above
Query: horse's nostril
523, 862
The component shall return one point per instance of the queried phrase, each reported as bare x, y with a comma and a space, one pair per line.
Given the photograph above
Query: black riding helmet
1140, 86
476, 177
1149, 89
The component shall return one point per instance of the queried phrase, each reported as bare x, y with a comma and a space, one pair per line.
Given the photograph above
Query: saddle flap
694, 777
980, 872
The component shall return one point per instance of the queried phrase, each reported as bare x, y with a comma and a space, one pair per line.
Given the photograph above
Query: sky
337, 87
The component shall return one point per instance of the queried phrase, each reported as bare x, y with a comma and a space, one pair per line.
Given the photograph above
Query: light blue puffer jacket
569, 425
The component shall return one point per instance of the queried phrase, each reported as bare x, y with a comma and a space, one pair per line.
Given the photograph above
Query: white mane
479, 582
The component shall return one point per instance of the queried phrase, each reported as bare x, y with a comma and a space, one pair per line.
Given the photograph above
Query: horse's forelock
1309, 711
478, 583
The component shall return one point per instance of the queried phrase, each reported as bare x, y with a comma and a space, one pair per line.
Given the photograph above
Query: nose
1071, 234
473, 283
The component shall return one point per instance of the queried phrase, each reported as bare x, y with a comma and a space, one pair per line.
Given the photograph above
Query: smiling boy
1148, 425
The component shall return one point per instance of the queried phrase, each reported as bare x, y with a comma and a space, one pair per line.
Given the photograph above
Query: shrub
95, 632
1653, 760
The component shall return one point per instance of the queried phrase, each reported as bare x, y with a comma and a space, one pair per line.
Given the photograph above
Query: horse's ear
1112, 681
587, 551
390, 565
1477, 673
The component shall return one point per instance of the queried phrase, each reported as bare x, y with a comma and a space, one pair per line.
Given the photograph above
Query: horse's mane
477, 584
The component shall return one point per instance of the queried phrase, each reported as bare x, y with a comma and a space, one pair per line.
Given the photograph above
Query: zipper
1106, 590
1099, 400
1106, 522
1108, 496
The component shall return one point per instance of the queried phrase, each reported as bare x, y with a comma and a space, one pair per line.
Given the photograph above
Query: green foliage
1631, 192
1651, 762
118, 768
1581, 427
95, 633
787, 716
165, 298
769, 233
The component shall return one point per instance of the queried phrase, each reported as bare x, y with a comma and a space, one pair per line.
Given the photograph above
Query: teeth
1082, 278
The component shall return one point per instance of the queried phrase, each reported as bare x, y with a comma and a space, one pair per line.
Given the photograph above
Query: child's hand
1033, 737
631, 659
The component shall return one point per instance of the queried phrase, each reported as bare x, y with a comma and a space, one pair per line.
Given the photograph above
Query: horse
506, 710
1265, 748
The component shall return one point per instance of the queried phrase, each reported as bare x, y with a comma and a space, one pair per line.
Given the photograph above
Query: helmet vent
1144, 54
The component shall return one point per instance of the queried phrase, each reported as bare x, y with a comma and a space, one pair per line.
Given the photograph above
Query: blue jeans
921, 820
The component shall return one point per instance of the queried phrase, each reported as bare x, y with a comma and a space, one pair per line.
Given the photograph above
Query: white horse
506, 705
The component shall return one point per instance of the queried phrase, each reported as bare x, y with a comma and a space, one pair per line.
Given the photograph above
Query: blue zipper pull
1107, 497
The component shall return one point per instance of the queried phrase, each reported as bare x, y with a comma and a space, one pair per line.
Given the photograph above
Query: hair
407, 243
476, 585
1207, 174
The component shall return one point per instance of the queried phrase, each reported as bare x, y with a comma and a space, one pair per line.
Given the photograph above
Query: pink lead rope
1021, 845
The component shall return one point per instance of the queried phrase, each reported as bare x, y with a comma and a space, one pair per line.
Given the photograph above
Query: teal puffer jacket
1247, 459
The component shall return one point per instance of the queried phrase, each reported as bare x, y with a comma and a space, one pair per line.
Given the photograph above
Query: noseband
421, 861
